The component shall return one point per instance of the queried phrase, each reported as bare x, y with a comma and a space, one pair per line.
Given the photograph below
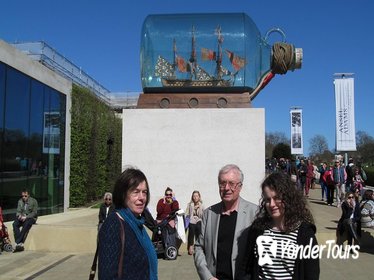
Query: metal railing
42, 52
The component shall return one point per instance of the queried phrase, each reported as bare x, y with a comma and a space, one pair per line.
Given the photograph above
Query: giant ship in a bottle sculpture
208, 60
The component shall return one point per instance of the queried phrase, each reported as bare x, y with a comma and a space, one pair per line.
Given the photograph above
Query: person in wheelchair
165, 206
163, 235
5, 243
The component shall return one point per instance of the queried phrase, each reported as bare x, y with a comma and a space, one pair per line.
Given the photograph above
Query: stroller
5, 244
163, 235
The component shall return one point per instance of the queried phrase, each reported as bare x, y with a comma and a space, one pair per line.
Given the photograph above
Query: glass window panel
2, 107
36, 125
54, 124
35, 144
16, 122
33, 132
16, 132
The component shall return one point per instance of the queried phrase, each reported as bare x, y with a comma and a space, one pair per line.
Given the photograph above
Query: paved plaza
75, 264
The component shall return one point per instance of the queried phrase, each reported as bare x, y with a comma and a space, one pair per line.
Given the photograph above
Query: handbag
94, 263
186, 221
317, 175
293, 178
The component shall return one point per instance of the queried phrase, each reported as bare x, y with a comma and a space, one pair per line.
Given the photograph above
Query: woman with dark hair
367, 209
125, 249
166, 205
283, 218
347, 225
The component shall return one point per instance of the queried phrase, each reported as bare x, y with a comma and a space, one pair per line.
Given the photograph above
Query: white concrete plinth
185, 148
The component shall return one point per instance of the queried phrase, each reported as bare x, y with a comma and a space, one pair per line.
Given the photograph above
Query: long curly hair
296, 209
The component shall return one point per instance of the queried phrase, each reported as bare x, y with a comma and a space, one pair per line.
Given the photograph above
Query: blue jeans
323, 189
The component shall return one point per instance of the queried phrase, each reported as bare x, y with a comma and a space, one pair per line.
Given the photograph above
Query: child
358, 181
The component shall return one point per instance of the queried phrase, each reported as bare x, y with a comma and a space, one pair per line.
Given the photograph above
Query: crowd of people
335, 178
223, 238
341, 185
232, 239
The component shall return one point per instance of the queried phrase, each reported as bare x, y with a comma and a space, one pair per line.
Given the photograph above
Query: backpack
350, 172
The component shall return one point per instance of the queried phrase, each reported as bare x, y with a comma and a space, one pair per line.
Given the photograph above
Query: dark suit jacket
102, 212
206, 245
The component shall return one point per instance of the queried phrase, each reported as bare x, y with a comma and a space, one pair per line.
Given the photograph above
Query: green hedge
96, 137
370, 175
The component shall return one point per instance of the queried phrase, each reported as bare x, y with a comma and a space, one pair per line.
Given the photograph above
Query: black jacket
304, 268
102, 212
347, 213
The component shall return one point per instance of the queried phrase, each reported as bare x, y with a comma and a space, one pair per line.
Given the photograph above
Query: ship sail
224, 71
207, 54
181, 64
179, 61
164, 68
236, 61
201, 74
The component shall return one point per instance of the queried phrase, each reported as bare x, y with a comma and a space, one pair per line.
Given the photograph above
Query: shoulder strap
120, 268
363, 205
120, 262
94, 264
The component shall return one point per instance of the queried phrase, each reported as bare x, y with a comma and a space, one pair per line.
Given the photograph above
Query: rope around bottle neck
283, 58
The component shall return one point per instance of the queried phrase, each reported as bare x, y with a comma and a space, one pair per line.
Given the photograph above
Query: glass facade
32, 142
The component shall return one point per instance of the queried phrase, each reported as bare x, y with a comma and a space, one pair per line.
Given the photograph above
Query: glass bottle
210, 53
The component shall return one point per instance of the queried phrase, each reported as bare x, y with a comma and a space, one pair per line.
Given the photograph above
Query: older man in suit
224, 228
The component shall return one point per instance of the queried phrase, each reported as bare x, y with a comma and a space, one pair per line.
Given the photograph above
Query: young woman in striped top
283, 223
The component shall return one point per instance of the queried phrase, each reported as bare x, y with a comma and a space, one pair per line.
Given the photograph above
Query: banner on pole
345, 122
296, 132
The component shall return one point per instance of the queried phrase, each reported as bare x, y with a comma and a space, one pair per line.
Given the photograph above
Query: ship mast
192, 61
219, 53
175, 56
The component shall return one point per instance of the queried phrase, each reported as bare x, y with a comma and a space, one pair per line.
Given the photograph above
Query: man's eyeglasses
168, 194
232, 185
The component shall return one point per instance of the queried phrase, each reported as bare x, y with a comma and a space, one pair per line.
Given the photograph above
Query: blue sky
103, 38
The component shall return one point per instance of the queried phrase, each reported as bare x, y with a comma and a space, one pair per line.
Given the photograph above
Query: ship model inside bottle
208, 61
197, 77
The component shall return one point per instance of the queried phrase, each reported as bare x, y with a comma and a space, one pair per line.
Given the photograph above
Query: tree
318, 145
363, 138
272, 139
282, 150
365, 147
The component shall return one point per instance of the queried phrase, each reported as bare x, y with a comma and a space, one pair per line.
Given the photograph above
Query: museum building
35, 101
